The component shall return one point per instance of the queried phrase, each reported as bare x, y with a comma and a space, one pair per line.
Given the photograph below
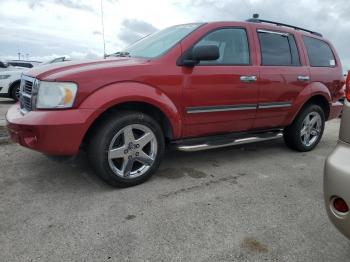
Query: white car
10, 78
9, 83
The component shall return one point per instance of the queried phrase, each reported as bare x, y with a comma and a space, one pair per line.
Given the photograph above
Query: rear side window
278, 49
233, 46
319, 52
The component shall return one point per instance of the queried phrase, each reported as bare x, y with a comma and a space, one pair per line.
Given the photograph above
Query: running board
222, 141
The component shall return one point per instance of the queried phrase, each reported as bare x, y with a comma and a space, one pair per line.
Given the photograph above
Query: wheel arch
316, 93
133, 96
143, 107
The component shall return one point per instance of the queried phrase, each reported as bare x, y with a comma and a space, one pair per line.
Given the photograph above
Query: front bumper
337, 184
56, 132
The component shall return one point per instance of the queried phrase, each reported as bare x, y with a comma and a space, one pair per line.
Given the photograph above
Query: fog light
340, 205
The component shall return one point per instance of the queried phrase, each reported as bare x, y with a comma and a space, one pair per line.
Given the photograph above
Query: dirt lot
260, 202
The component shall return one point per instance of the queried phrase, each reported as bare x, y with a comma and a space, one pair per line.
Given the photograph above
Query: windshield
158, 43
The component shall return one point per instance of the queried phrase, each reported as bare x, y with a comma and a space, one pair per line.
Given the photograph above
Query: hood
52, 72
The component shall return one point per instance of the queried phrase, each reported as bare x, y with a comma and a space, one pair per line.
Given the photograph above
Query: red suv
193, 86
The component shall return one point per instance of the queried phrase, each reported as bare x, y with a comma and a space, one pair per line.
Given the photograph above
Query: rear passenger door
282, 77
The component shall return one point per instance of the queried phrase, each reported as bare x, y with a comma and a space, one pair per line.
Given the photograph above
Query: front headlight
55, 95
2, 77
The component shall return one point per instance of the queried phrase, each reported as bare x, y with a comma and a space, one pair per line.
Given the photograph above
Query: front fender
122, 92
312, 90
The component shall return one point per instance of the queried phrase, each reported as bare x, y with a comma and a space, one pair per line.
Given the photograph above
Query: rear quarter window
319, 52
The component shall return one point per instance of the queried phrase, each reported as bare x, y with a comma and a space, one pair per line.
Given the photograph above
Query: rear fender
312, 90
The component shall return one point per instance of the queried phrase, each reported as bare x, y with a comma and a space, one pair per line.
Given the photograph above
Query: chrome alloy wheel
132, 151
311, 129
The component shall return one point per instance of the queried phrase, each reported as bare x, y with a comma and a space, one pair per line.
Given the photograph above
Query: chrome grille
25, 95
26, 103
28, 86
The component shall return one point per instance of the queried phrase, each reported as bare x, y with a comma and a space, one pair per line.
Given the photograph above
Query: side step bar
223, 141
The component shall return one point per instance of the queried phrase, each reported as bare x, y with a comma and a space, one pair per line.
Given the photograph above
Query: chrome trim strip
209, 109
227, 108
274, 105
28, 78
272, 32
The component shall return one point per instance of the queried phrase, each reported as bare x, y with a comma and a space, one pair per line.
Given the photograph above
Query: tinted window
278, 49
319, 52
232, 44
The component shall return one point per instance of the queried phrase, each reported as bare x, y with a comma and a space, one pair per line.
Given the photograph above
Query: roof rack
256, 19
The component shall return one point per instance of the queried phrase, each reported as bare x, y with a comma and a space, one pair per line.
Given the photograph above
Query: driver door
221, 96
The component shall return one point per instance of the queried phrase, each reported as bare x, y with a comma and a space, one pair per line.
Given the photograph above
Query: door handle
248, 79
303, 78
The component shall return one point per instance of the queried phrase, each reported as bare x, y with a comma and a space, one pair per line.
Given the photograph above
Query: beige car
337, 174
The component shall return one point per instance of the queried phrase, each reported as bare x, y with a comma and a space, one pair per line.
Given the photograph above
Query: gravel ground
4, 106
259, 202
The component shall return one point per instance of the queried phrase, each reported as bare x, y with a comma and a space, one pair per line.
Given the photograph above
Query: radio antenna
103, 31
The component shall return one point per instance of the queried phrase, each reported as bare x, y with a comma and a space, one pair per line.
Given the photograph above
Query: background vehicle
3, 65
6, 66
337, 174
23, 63
10, 79
193, 86
10, 82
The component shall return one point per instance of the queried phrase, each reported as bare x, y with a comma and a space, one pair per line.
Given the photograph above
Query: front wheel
307, 129
126, 148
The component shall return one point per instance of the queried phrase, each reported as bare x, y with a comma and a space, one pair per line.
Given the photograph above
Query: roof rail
257, 20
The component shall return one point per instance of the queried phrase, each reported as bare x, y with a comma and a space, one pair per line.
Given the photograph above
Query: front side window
233, 46
319, 52
158, 43
278, 49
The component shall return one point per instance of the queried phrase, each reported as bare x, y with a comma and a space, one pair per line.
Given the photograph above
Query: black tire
292, 133
102, 136
15, 92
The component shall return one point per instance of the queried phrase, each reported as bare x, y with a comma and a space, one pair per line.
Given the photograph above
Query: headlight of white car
2, 77
55, 94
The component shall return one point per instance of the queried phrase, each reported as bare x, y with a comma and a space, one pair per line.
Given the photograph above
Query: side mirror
200, 53
206, 53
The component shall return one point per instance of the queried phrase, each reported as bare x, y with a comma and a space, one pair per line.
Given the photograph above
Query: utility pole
19, 55
103, 31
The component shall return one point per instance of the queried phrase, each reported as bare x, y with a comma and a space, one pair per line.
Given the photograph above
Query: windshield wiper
120, 54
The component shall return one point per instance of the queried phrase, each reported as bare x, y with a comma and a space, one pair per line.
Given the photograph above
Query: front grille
26, 90
28, 86
26, 103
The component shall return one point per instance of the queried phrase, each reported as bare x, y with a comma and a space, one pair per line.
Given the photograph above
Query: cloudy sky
43, 29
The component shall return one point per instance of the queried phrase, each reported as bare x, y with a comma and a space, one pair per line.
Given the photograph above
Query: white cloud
42, 28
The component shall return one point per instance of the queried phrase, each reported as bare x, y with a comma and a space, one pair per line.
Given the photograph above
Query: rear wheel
15, 92
307, 129
126, 148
